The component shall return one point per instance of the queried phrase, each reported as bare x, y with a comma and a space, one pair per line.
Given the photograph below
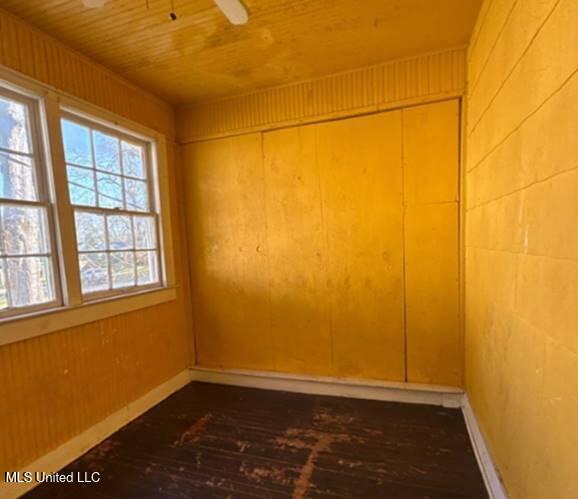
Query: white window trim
44, 200
151, 151
74, 313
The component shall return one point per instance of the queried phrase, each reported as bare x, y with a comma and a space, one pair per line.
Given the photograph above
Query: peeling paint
192, 433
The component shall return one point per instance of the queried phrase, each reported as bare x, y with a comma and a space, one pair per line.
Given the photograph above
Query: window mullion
134, 250
65, 213
108, 252
4, 263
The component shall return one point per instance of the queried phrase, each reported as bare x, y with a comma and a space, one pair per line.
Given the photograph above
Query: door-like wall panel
431, 165
300, 320
227, 243
330, 248
360, 163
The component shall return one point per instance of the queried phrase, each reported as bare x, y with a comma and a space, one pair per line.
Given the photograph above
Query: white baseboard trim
355, 388
76, 447
489, 471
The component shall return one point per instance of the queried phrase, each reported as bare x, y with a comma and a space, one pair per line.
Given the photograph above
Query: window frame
72, 310
152, 196
42, 179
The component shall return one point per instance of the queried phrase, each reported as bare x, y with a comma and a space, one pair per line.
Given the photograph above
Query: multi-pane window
87, 179
110, 189
27, 270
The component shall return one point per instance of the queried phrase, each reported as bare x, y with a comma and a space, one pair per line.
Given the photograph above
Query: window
84, 213
111, 191
28, 277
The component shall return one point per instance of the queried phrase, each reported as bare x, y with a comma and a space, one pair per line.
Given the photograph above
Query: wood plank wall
266, 251
330, 248
55, 386
522, 242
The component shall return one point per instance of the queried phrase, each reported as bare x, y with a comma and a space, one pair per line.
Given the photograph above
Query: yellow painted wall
298, 257
522, 242
53, 387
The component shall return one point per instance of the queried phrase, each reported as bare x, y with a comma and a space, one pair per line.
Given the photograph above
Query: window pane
3, 287
25, 230
81, 186
77, 148
122, 267
144, 232
133, 160
14, 126
93, 272
136, 195
30, 280
17, 177
119, 232
90, 234
106, 154
146, 267
109, 190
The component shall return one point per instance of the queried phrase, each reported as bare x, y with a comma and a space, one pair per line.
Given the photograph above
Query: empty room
289, 249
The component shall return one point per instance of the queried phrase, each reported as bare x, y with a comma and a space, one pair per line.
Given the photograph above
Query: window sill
20, 328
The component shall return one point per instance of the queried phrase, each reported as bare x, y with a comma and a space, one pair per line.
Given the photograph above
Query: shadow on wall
267, 300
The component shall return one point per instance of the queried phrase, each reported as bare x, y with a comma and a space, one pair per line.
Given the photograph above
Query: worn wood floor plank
213, 441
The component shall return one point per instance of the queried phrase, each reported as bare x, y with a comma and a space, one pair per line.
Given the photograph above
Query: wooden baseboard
372, 390
354, 388
489, 471
73, 449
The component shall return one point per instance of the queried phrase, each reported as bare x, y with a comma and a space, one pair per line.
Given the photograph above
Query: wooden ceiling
201, 56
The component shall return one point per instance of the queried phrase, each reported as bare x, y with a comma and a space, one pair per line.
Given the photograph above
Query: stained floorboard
214, 441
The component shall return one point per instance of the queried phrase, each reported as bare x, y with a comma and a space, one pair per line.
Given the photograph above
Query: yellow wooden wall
53, 387
330, 248
522, 242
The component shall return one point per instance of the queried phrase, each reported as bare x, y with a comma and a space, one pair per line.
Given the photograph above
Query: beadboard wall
36, 54
393, 84
54, 387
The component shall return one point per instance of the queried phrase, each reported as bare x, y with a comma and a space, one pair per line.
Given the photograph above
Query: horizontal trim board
76, 447
489, 471
57, 319
354, 388
376, 87
356, 113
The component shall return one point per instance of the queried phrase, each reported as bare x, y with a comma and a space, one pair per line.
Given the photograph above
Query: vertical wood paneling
430, 162
53, 387
426, 76
36, 54
228, 248
298, 254
362, 196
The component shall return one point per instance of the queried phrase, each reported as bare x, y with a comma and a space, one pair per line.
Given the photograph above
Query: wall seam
516, 64
523, 121
518, 253
474, 84
267, 261
404, 249
521, 189
478, 29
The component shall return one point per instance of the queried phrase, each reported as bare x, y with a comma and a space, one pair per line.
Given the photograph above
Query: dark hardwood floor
213, 441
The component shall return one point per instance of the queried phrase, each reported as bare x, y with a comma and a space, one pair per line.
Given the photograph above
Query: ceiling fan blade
93, 4
234, 11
